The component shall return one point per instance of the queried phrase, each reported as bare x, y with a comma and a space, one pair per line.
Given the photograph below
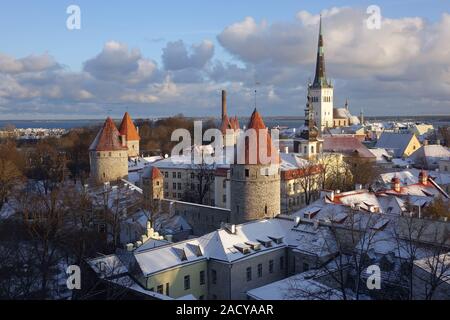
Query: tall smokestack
224, 103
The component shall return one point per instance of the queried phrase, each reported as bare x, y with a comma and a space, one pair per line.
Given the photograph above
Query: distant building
351, 147
428, 156
401, 144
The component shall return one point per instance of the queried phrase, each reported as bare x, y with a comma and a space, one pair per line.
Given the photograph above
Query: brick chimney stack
395, 184
224, 103
423, 177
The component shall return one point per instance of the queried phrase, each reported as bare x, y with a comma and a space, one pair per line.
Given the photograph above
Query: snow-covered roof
301, 286
292, 161
397, 142
430, 155
438, 265
381, 154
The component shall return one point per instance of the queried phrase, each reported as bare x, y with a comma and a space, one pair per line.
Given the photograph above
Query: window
187, 282
281, 263
259, 270
213, 276
202, 277
166, 185
224, 198
174, 195
247, 172
192, 175
224, 184
270, 266
249, 274
174, 186
160, 289
167, 289
180, 196
166, 174
179, 186
179, 175
157, 183
174, 175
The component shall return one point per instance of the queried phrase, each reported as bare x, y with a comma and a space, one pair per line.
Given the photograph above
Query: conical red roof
152, 173
108, 138
235, 123
225, 125
257, 123
128, 129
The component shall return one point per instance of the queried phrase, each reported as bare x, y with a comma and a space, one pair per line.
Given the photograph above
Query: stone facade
203, 219
133, 148
255, 192
108, 165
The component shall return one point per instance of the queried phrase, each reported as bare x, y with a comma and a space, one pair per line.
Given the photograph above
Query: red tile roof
108, 138
347, 145
152, 173
128, 129
225, 125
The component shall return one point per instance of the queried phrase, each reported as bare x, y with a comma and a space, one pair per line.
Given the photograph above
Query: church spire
320, 79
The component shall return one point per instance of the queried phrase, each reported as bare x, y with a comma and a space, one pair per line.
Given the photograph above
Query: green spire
320, 79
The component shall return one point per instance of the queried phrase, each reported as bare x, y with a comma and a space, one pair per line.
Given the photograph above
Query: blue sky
38, 28
28, 27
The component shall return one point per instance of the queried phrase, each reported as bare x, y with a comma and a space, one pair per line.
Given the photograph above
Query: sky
159, 58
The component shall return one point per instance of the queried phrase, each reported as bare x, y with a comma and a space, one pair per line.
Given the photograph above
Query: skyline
400, 69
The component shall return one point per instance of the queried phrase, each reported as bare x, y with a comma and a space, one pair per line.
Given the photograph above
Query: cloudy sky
157, 58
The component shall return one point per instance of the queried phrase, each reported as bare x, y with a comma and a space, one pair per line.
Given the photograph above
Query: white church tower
321, 90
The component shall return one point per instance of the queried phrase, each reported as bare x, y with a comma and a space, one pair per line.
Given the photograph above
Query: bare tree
200, 183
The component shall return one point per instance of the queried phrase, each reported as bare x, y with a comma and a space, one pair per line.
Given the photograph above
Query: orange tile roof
257, 123
108, 138
128, 129
226, 124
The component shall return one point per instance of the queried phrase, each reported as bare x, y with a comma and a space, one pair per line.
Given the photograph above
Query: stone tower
153, 188
254, 183
132, 138
309, 145
108, 154
321, 90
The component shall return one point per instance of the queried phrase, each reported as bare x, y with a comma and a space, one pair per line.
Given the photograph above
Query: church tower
255, 184
321, 90
309, 145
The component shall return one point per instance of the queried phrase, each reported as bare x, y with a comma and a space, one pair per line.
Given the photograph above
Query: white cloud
176, 55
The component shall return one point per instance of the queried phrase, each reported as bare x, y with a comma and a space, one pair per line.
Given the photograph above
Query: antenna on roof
257, 83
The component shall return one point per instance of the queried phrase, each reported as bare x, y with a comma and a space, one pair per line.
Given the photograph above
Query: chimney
224, 103
423, 177
395, 184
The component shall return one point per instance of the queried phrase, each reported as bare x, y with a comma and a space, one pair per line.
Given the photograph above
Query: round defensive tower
255, 184
108, 154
